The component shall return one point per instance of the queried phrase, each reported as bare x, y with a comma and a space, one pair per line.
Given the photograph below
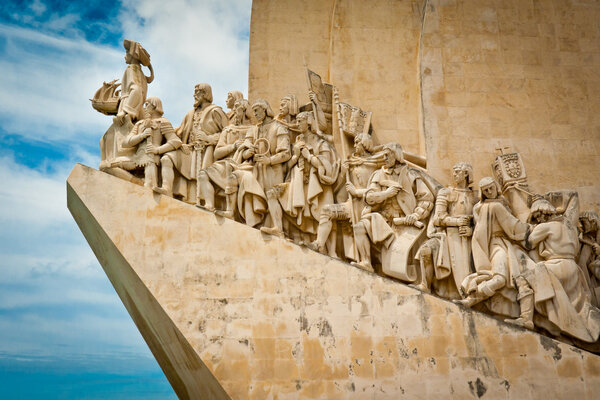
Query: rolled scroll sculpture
314, 175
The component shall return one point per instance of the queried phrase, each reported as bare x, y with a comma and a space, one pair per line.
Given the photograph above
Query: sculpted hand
147, 132
351, 189
465, 231
596, 248
305, 153
150, 149
298, 148
463, 221
312, 96
261, 159
393, 190
411, 219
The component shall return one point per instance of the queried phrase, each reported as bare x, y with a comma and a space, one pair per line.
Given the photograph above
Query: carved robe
494, 253
415, 197
589, 263
208, 121
133, 92
560, 290
278, 150
309, 187
251, 198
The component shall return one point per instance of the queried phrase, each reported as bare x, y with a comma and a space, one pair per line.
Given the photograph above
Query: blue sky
63, 331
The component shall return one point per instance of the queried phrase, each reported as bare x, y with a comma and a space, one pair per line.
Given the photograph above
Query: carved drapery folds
313, 174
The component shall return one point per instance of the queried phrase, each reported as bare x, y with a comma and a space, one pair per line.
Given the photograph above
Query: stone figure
151, 137
446, 257
229, 174
589, 254
359, 166
396, 196
127, 106
509, 171
497, 258
134, 84
269, 149
313, 170
556, 286
288, 109
230, 101
199, 133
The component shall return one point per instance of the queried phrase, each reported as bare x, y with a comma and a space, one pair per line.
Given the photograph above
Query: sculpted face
128, 58
148, 109
260, 113
199, 96
284, 107
588, 226
359, 147
490, 191
390, 158
302, 124
230, 101
459, 175
239, 110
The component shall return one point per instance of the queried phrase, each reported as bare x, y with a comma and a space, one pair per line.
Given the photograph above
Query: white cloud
37, 7
46, 82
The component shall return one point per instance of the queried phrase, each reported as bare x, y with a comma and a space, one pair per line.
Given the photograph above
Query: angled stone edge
188, 375
217, 300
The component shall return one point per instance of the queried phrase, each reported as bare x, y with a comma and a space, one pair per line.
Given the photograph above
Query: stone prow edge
166, 342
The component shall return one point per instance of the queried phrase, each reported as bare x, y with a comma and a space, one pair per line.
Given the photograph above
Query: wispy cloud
46, 83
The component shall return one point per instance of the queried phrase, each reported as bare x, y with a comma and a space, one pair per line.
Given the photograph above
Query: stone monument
323, 252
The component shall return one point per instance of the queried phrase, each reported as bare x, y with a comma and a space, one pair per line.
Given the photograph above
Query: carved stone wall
452, 79
230, 312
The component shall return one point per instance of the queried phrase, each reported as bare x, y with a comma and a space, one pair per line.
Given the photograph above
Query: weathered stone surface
268, 319
451, 78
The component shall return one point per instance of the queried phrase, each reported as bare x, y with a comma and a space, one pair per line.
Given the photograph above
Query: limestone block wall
452, 79
225, 308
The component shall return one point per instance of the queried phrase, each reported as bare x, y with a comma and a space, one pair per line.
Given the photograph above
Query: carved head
541, 211
288, 105
153, 105
462, 171
232, 97
363, 142
589, 221
488, 189
135, 53
393, 154
202, 94
304, 120
262, 109
242, 112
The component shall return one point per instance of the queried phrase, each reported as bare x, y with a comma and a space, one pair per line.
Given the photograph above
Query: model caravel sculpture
529, 258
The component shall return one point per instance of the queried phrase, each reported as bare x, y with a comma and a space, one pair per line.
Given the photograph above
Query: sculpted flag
316, 85
353, 120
